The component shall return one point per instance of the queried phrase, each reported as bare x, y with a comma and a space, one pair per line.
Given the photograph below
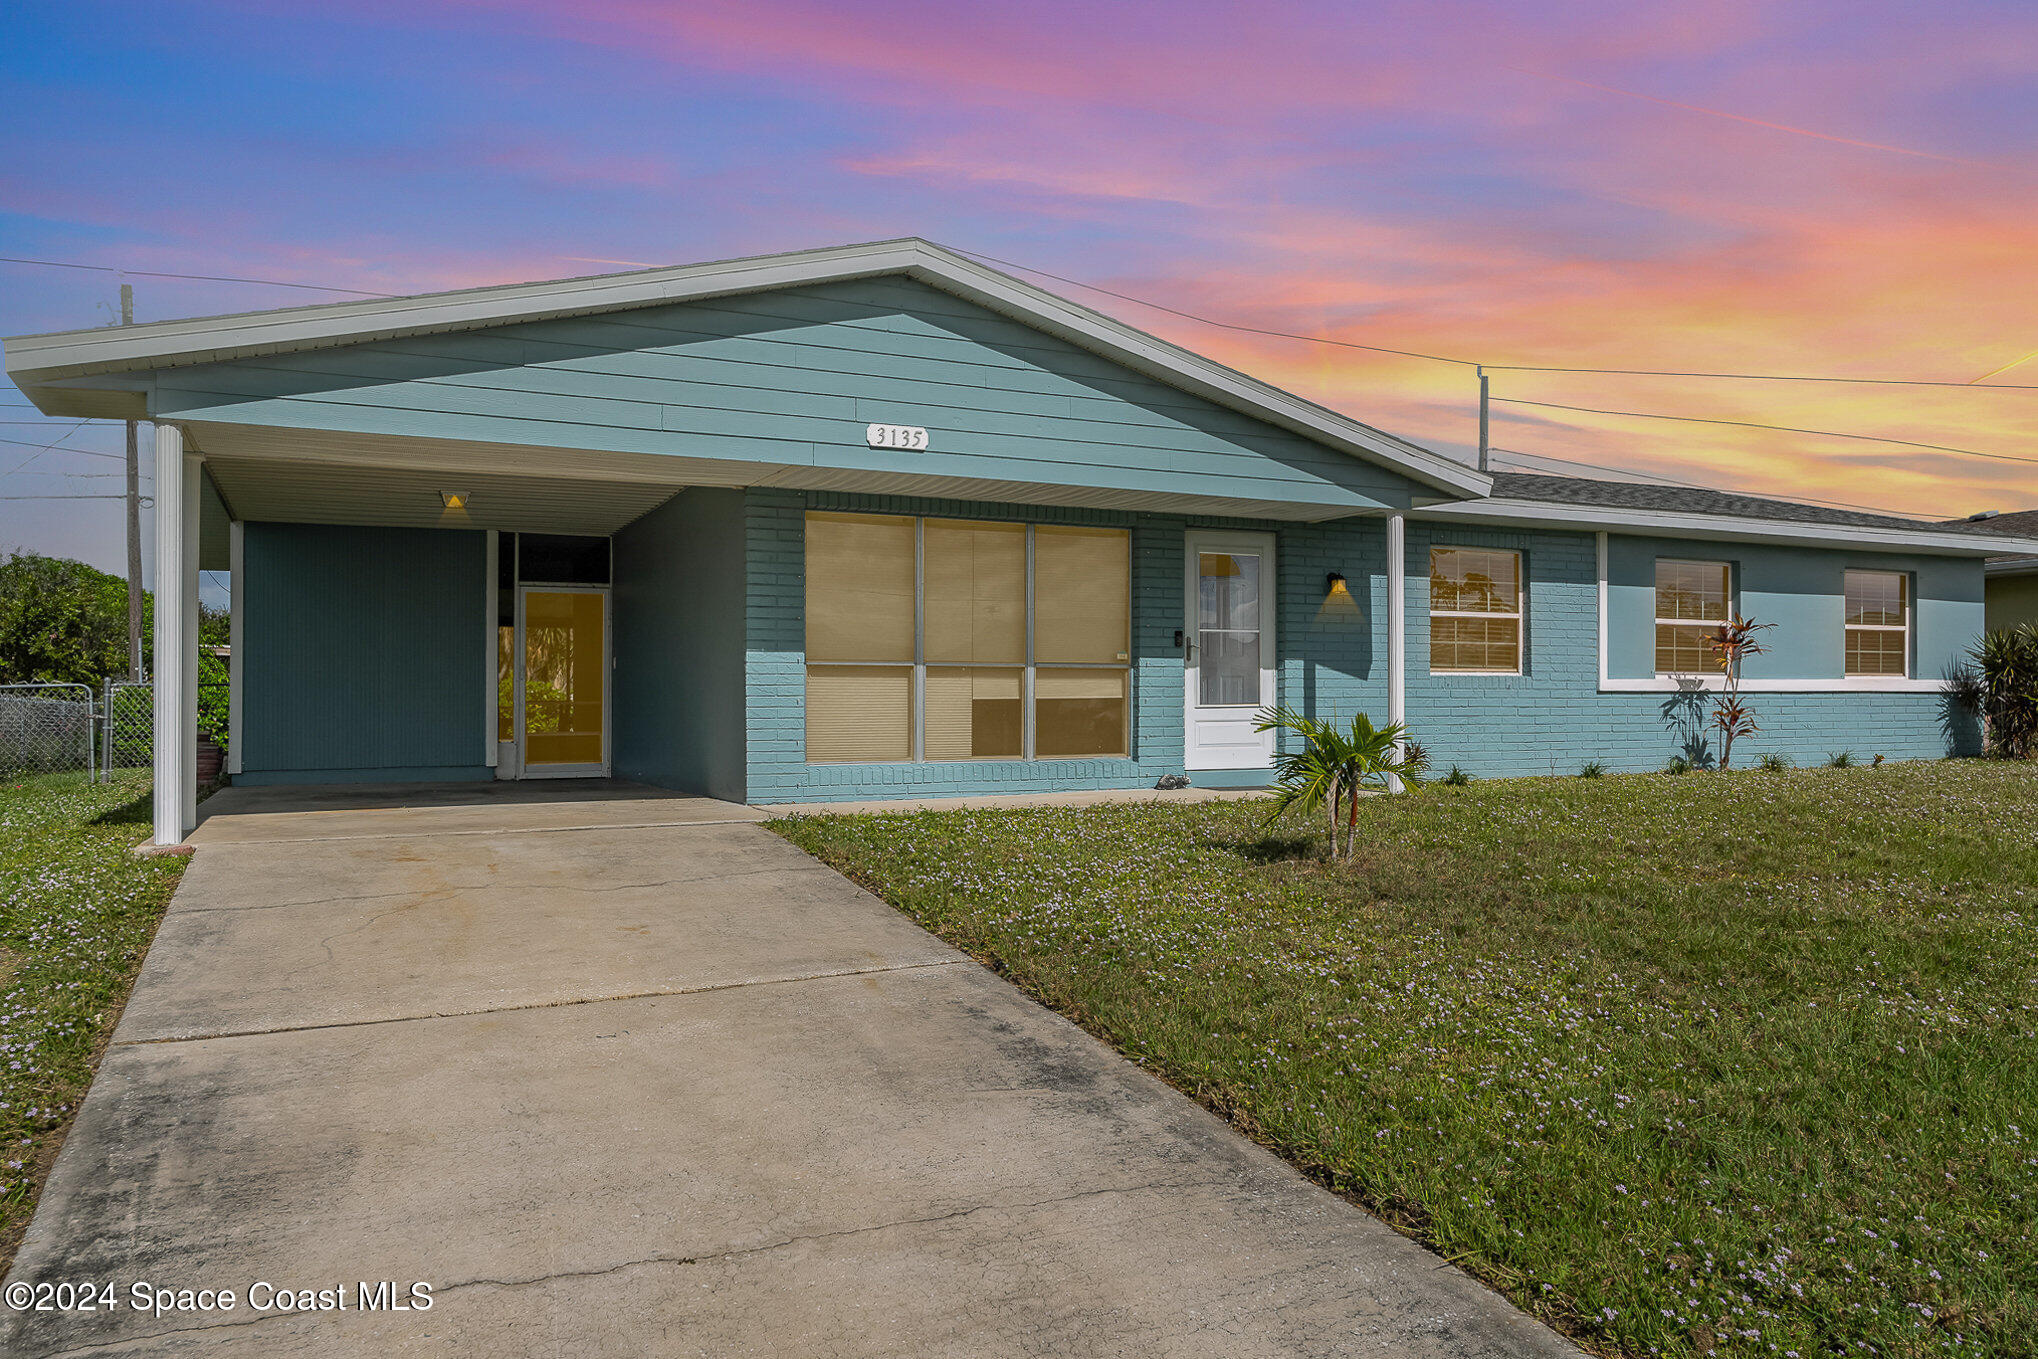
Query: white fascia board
36, 361
1712, 684
1508, 513
2015, 566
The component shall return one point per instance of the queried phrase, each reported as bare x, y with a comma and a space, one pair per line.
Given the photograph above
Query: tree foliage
60, 620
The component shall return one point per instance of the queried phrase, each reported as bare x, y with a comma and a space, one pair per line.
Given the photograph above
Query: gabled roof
57, 371
1522, 499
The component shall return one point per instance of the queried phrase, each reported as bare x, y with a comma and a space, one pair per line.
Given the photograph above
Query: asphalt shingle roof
2015, 524
1628, 495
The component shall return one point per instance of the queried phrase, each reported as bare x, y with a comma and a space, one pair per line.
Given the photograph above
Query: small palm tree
1331, 768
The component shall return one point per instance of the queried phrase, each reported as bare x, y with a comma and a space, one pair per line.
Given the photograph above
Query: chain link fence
68, 729
46, 729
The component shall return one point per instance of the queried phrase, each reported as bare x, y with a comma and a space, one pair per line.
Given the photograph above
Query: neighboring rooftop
1629, 495
2010, 524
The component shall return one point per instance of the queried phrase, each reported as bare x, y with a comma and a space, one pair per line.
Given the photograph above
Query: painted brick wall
777, 659
1551, 719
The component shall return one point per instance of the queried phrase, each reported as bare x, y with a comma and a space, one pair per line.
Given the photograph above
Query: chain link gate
127, 726
46, 729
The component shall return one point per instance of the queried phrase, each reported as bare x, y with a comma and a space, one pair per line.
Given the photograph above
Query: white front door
1228, 654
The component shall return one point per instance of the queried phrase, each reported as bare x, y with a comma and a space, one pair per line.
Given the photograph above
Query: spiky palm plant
1330, 768
2003, 690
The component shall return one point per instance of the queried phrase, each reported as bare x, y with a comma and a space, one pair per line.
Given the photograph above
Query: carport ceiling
292, 480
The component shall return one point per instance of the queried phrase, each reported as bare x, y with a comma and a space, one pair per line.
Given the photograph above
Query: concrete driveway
619, 1073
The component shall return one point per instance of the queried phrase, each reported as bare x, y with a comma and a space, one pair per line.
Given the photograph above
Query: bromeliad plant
1330, 768
1733, 642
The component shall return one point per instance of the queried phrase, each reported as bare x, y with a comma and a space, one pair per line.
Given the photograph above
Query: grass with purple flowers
77, 911
1722, 1064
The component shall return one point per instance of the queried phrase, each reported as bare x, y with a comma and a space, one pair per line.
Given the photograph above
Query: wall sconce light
1334, 584
453, 500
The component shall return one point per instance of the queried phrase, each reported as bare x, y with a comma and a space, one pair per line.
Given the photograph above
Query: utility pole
1485, 454
134, 519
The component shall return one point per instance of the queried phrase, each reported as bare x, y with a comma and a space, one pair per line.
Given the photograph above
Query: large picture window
1692, 602
952, 639
1878, 623
1474, 611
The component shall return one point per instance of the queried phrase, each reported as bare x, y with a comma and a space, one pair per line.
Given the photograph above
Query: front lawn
1743, 1063
77, 911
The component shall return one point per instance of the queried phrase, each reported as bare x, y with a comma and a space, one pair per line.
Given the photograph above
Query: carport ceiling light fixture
454, 500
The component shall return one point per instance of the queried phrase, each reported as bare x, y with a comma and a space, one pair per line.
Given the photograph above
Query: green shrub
1677, 764
1775, 763
1457, 778
1591, 769
1840, 760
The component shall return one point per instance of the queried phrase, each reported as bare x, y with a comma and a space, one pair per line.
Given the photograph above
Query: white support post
1397, 629
187, 736
1601, 552
238, 585
173, 639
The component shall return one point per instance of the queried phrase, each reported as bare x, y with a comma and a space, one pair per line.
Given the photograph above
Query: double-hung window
1692, 603
951, 639
1474, 611
1878, 623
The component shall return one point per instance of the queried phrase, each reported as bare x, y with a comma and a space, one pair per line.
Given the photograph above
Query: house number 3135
910, 437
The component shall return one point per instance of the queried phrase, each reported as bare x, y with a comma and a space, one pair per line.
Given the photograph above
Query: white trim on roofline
35, 362
1512, 513
2013, 566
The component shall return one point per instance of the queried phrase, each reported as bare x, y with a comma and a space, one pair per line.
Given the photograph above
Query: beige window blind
924, 641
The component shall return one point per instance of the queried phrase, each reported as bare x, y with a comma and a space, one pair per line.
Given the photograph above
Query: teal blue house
878, 521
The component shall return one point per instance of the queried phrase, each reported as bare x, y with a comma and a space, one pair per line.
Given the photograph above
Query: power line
1221, 325
41, 449
196, 278
1506, 367
1757, 424
52, 447
108, 496
1770, 377
1206, 321
1275, 334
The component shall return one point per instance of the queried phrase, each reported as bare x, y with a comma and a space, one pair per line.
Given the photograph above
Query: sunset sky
1840, 189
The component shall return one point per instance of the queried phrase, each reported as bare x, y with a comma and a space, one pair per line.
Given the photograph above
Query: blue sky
1823, 188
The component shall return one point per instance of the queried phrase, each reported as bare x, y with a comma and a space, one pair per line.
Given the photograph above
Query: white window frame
1904, 580
1028, 668
1520, 614
1656, 605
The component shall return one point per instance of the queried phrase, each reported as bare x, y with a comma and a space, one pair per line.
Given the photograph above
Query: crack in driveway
822, 975
737, 1253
